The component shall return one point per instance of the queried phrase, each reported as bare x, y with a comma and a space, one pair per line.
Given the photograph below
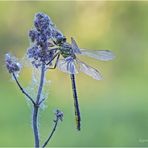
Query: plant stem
21, 88
36, 108
52, 132
35, 126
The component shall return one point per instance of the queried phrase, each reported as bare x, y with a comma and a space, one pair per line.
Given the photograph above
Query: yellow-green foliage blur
114, 110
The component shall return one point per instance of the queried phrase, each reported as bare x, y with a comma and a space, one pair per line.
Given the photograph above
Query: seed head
59, 114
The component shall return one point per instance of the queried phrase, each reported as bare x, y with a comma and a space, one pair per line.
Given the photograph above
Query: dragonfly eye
60, 39
64, 39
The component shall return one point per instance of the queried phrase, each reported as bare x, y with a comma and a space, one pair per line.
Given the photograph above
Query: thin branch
52, 132
41, 83
41, 101
21, 88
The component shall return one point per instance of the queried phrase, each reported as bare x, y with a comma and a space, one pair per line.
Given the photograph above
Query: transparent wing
67, 65
103, 55
89, 70
74, 46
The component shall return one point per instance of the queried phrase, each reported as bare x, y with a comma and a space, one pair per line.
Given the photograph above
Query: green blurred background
115, 110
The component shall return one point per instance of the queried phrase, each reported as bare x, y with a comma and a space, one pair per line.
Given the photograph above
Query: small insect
70, 64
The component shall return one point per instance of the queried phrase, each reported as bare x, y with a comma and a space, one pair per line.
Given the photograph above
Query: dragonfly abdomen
76, 104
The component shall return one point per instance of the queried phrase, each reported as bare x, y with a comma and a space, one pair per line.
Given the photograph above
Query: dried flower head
59, 114
12, 63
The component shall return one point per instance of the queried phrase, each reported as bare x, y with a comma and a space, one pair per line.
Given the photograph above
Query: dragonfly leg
58, 56
52, 58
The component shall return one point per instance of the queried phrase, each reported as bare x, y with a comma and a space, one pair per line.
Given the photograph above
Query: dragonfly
69, 63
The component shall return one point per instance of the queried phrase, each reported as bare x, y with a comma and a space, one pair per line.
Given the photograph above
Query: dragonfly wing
75, 47
89, 70
67, 65
103, 55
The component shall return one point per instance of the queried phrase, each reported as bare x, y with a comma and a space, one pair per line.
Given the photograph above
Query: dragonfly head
60, 40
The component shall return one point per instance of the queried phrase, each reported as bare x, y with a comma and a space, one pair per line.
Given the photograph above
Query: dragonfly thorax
66, 50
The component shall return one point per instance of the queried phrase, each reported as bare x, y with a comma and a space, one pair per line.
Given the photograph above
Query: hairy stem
36, 108
52, 132
21, 88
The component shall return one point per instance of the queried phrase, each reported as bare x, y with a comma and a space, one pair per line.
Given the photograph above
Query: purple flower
37, 55
33, 52
39, 52
43, 36
39, 38
33, 34
42, 22
12, 64
56, 33
42, 31
58, 36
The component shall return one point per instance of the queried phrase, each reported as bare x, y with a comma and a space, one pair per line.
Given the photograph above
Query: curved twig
52, 132
23, 91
